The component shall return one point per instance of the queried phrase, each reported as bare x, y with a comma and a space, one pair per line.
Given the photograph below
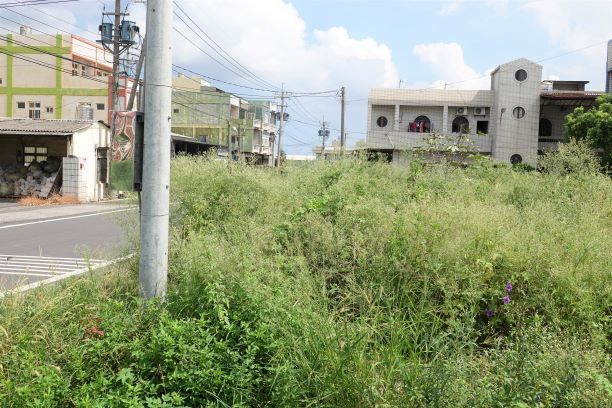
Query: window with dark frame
520, 75
421, 124
175, 110
49, 109
482, 127
100, 106
545, 128
518, 112
460, 125
20, 105
34, 112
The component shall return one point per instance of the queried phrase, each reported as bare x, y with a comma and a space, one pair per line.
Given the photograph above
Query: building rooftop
555, 81
569, 98
432, 97
580, 95
47, 127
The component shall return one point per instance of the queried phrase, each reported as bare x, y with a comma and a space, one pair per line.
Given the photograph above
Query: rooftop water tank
547, 86
84, 112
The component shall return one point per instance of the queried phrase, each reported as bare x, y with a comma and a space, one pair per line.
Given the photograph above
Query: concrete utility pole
324, 134
156, 169
280, 127
342, 132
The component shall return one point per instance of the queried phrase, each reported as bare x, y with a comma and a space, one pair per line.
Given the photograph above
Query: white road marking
26, 269
24, 274
44, 262
16, 265
58, 278
43, 257
67, 218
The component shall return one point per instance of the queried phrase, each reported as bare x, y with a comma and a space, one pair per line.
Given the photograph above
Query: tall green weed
340, 284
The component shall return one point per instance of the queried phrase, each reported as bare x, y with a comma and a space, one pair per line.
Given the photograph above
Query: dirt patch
54, 199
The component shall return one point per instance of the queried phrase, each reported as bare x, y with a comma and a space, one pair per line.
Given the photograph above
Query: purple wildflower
506, 300
509, 287
490, 313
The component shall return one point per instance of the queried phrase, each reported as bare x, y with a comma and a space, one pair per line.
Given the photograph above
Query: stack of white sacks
35, 180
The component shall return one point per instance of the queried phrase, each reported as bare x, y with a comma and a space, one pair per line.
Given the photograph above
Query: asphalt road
41, 243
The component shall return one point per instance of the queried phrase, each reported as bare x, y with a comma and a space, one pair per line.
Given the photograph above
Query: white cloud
446, 61
271, 39
573, 26
450, 8
499, 5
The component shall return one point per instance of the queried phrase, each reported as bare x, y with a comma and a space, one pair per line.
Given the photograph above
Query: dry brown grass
54, 199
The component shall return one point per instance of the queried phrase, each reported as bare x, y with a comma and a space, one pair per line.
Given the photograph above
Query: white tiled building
514, 121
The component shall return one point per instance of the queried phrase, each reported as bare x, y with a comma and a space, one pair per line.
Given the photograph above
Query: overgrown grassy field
347, 284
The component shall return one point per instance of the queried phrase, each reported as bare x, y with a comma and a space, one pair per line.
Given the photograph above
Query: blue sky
312, 45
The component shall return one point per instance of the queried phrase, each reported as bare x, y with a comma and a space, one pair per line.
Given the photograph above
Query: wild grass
345, 284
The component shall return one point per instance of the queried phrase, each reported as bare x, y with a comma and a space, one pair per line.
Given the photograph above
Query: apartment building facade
55, 77
211, 115
519, 118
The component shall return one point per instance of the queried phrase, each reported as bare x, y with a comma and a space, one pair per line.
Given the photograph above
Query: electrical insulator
286, 117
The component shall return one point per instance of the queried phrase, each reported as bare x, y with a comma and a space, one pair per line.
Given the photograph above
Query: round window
520, 75
518, 112
516, 159
382, 122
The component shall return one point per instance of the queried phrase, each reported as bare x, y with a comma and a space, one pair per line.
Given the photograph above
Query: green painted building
52, 77
209, 114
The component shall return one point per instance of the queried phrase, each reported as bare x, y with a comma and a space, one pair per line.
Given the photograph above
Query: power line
63, 21
38, 21
219, 62
46, 65
40, 50
33, 2
222, 52
241, 95
220, 80
50, 66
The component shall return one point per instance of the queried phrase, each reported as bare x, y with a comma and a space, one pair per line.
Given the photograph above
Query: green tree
594, 126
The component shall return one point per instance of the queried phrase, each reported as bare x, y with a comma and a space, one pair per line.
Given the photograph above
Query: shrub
342, 284
574, 157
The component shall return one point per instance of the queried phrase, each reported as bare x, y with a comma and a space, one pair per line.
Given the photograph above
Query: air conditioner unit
480, 111
462, 110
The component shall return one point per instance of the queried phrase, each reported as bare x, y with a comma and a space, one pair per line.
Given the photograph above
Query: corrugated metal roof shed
47, 127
